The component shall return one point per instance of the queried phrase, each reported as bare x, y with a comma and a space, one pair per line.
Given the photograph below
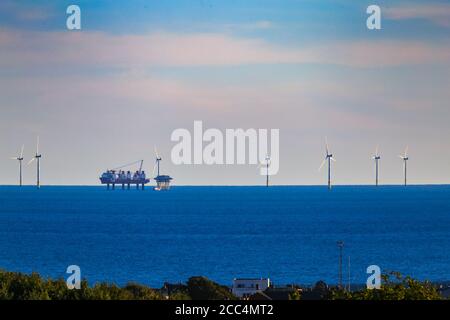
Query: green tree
201, 288
18, 286
393, 287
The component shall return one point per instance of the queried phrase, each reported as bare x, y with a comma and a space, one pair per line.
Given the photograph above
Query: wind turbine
158, 159
37, 157
376, 157
328, 158
405, 159
20, 159
266, 165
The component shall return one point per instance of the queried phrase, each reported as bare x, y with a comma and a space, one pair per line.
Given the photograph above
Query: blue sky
310, 68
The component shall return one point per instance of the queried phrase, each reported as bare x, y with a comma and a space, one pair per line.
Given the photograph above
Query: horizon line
243, 185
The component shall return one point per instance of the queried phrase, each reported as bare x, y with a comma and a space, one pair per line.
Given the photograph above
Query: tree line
20, 286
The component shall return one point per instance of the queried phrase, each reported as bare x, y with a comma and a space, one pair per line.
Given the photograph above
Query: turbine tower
376, 157
405, 159
20, 159
328, 158
158, 159
266, 165
37, 157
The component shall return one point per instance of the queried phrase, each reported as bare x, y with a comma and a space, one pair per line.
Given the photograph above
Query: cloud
24, 13
251, 26
438, 14
77, 49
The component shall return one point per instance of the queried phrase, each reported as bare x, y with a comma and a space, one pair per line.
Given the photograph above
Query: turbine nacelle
20, 156
405, 156
376, 155
37, 155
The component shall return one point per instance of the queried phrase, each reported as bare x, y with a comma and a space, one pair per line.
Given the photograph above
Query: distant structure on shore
245, 287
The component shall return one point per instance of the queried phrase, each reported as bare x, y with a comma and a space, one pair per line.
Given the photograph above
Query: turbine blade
333, 159
154, 168
326, 145
406, 151
156, 152
31, 161
376, 151
37, 145
323, 162
14, 158
21, 151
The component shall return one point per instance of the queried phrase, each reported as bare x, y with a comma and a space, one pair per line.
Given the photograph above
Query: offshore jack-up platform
111, 177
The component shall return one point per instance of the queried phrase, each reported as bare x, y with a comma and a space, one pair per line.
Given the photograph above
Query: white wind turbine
158, 159
328, 158
377, 158
20, 159
405, 159
37, 157
266, 165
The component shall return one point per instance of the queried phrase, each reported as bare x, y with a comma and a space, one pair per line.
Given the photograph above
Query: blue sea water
286, 233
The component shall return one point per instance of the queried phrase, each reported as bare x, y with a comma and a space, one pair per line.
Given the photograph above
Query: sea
286, 233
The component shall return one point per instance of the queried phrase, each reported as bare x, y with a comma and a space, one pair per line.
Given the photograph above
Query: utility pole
340, 244
349, 283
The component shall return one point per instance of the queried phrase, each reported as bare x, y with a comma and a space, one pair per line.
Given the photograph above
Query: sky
105, 95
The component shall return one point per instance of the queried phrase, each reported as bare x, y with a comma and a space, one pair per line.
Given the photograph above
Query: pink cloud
59, 49
438, 14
